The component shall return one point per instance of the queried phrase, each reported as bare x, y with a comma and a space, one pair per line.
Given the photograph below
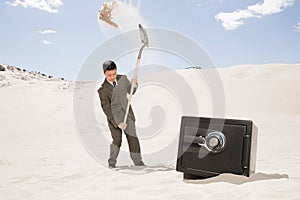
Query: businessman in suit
113, 96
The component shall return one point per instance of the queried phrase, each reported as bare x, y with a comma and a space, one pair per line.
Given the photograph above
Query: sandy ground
42, 156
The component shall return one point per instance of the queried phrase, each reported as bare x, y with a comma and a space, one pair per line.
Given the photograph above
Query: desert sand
42, 156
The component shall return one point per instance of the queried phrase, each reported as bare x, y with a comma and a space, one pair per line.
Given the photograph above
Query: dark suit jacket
105, 93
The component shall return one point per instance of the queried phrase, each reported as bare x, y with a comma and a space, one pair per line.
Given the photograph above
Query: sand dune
42, 155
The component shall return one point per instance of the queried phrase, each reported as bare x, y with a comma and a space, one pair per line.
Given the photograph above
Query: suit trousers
133, 142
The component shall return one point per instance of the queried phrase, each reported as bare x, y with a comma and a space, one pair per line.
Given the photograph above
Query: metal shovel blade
144, 36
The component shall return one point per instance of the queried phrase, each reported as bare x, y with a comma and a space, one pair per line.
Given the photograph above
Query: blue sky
56, 36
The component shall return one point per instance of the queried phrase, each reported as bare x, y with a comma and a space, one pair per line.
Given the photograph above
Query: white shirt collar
112, 82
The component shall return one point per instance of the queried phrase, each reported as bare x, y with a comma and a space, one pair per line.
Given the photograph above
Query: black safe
211, 146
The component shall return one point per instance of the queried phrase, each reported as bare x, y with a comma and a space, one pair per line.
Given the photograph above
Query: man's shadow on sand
238, 179
143, 169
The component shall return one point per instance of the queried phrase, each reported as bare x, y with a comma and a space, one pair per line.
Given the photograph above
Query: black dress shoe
141, 163
111, 166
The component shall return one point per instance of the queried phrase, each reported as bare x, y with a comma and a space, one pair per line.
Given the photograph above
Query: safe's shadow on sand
238, 179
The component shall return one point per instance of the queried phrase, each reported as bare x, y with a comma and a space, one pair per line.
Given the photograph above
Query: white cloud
234, 19
47, 31
46, 42
46, 5
269, 7
297, 27
207, 2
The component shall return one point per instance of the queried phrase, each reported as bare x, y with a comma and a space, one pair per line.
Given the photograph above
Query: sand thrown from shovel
105, 13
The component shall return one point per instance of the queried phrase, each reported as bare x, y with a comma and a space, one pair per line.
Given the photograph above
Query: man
113, 96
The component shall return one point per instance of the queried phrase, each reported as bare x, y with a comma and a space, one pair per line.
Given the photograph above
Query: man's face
111, 75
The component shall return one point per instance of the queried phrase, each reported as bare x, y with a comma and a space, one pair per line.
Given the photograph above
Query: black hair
109, 65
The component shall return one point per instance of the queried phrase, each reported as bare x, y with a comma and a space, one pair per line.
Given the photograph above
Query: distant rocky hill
9, 74
193, 67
